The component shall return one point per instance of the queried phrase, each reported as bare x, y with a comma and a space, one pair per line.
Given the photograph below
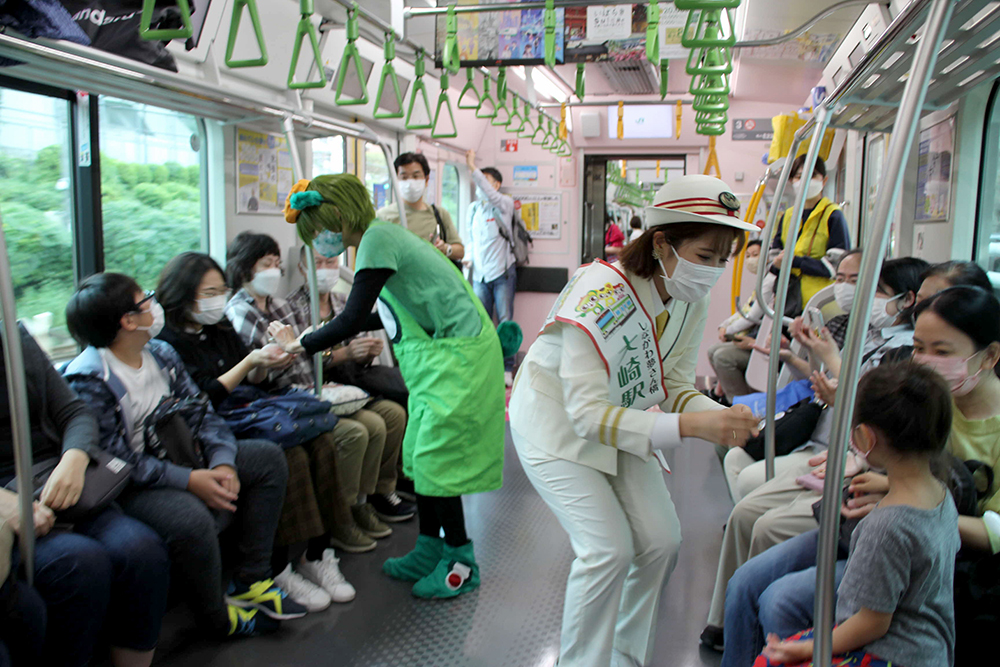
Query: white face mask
881, 318
327, 279
813, 189
691, 282
412, 190
843, 294
154, 329
752, 263
265, 283
209, 311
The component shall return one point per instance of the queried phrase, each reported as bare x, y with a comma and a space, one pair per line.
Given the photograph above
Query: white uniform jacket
560, 401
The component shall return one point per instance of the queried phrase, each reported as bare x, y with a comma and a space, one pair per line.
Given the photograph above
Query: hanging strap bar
304, 28
234, 28
450, 57
167, 34
581, 81
653, 32
389, 73
903, 132
470, 89
351, 60
822, 119
444, 103
707, 4
419, 88
550, 33
17, 395
487, 105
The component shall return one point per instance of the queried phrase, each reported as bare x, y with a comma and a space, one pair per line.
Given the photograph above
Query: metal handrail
904, 130
17, 393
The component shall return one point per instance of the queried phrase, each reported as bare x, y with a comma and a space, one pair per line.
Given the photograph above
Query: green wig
346, 207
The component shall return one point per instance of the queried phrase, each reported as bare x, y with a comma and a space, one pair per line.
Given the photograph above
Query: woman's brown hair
637, 257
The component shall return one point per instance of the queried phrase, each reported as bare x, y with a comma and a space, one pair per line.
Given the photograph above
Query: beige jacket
560, 398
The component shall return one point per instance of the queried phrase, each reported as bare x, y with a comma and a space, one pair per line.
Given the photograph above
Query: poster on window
937, 146
263, 172
541, 213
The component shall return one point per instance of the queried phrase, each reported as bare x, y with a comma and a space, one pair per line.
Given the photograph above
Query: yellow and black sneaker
249, 622
265, 596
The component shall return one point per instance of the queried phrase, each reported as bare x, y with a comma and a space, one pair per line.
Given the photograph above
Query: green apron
454, 442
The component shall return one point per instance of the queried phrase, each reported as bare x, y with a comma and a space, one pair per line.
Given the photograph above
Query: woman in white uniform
620, 339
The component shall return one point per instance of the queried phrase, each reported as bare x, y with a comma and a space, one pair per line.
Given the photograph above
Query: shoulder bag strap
440, 223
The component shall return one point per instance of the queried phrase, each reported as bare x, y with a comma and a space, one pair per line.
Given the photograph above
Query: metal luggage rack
867, 100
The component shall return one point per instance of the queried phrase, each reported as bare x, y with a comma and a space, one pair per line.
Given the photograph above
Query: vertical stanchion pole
17, 393
904, 130
395, 183
293, 151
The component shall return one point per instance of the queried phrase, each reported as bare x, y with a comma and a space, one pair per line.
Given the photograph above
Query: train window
329, 155
377, 177
150, 187
36, 203
451, 188
988, 225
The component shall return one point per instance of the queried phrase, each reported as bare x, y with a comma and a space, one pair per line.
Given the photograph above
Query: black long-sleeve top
357, 315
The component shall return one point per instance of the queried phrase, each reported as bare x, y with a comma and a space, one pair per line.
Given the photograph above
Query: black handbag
792, 429
171, 431
104, 479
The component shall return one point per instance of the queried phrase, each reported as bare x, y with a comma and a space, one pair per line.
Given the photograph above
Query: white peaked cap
697, 198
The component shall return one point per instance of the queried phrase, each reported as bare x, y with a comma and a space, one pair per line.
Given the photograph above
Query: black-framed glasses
148, 295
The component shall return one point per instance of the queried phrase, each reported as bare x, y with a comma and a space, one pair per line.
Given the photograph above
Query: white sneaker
306, 593
326, 574
508, 378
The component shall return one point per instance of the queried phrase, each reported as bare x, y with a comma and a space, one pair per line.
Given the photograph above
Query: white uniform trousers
625, 534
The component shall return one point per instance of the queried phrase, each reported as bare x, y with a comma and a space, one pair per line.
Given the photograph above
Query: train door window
36, 204
377, 178
150, 187
987, 247
329, 155
451, 190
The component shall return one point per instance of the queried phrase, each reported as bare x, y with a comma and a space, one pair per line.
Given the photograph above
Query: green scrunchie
511, 337
305, 199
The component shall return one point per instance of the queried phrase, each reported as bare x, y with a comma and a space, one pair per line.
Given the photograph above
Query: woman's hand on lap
65, 484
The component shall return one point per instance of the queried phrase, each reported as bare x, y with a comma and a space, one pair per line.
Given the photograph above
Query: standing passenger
579, 422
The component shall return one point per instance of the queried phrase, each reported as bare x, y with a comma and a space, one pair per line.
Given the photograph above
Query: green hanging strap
707, 4
173, 33
550, 137
502, 82
419, 88
710, 60
470, 89
351, 58
538, 136
709, 117
527, 130
664, 71
704, 28
304, 28
516, 121
653, 32
501, 115
550, 33
711, 103
444, 102
450, 57
710, 129
709, 84
234, 28
581, 82
487, 105
389, 73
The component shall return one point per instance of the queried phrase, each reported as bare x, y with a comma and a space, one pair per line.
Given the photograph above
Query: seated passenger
774, 591
124, 375
369, 440
952, 274
894, 603
635, 224
781, 508
107, 575
193, 293
425, 220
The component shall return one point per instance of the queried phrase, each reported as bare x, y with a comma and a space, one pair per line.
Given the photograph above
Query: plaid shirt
299, 300
250, 324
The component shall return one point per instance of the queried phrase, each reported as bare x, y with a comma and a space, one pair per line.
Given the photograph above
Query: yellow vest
813, 237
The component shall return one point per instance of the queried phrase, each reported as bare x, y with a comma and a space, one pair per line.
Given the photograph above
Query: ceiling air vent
631, 77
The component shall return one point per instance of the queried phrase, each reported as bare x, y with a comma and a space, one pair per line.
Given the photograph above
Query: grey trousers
730, 365
190, 529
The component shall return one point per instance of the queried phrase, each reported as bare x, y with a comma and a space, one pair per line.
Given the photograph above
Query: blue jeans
498, 295
22, 621
110, 574
772, 592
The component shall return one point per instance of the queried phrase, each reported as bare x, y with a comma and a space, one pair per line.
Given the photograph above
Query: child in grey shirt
895, 602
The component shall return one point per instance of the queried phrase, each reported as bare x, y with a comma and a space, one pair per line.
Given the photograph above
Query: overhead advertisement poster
583, 34
264, 172
541, 213
937, 144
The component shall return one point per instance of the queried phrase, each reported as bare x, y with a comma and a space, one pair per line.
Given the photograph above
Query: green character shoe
417, 564
454, 574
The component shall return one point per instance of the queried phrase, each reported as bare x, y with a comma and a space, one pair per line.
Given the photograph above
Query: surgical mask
691, 282
266, 282
843, 294
154, 329
880, 315
326, 280
329, 244
752, 263
412, 189
813, 189
955, 371
209, 311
